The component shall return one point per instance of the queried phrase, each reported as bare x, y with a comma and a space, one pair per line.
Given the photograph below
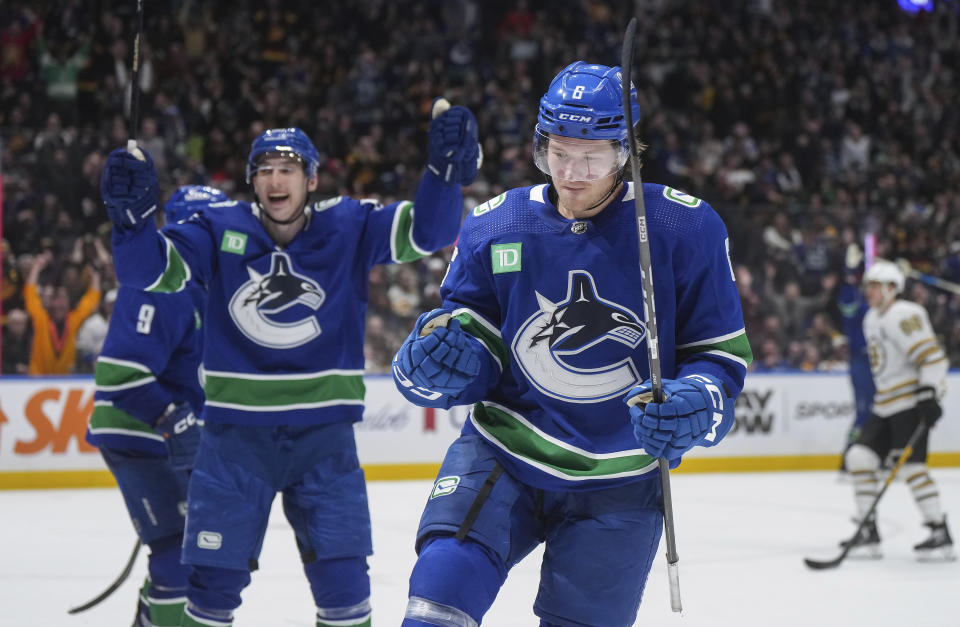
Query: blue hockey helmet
188, 199
585, 102
284, 142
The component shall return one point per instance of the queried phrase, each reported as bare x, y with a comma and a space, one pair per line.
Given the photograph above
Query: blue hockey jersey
150, 358
284, 326
558, 306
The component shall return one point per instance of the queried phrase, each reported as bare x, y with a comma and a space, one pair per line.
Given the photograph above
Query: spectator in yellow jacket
55, 326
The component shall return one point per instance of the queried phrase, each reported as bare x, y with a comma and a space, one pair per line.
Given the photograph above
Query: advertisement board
784, 422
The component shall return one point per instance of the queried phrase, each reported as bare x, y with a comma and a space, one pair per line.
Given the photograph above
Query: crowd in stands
806, 124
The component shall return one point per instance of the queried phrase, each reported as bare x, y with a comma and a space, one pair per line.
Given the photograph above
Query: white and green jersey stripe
277, 393
519, 438
734, 347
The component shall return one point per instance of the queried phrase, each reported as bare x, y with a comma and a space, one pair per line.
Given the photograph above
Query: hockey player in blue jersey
145, 413
853, 307
283, 362
542, 331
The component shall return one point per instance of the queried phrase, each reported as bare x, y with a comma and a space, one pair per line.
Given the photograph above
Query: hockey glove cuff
928, 406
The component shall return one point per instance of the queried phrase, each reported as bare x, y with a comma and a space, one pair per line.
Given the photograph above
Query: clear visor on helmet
572, 159
279, 161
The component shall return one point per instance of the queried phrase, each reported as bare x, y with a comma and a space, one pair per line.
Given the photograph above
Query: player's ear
312, 183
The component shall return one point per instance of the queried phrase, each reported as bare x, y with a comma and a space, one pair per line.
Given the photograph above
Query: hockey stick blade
823, 565
112, 588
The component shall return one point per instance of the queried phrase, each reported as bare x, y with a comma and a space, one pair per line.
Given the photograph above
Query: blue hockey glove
129, 188
437, 359
928, 406
454, 152
695, 410
180, 429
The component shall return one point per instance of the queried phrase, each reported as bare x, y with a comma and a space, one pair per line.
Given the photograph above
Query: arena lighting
915, 6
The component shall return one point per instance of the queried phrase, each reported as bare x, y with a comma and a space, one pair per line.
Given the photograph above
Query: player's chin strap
616, 185
304, 212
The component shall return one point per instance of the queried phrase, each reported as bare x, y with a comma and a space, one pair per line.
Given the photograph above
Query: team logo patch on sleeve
490, 205
677, 196
505, 258
445, 486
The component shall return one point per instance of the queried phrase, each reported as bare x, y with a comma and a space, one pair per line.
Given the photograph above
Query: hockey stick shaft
904, 456
135, 82
112, 588
911, 272
649, 306
943, 284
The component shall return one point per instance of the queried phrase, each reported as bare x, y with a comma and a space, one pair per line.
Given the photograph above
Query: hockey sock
463, 576
213, 595
341, 590
863, 463
924, 491
865, 485
143, 607
167, 593
195, 617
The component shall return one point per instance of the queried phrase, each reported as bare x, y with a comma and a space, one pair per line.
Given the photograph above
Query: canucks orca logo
555, 346
257, 306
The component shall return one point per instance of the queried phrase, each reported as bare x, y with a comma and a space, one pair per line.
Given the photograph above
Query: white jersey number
145, 319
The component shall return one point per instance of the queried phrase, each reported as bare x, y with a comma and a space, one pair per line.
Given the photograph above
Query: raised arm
407, 231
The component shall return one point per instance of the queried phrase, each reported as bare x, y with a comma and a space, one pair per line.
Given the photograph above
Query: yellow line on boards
55, 479
59, 479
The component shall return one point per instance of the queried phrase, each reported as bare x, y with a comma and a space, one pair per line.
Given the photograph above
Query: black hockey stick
112, 588
907, 451
135, 85
650, 309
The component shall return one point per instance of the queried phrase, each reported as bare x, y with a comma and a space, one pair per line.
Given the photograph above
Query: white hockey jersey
904, 356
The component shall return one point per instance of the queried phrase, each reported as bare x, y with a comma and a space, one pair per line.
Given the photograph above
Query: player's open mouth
277, 197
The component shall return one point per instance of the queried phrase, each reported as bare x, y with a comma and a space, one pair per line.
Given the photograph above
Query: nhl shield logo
559, 346
266, 307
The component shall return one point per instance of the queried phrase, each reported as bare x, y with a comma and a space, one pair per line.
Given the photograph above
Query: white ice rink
741, 540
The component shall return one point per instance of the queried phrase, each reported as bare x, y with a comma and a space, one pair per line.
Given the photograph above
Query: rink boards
784, 422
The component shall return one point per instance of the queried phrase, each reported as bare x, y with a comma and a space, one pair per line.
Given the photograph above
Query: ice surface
741, 539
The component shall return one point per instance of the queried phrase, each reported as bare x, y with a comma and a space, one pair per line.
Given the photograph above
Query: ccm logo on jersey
573, 117
717, 397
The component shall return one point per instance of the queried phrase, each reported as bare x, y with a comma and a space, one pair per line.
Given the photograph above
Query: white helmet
883, 271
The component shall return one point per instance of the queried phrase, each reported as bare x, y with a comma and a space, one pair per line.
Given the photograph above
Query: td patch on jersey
577, 348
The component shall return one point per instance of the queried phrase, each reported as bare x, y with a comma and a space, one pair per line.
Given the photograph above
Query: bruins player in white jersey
909, 369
